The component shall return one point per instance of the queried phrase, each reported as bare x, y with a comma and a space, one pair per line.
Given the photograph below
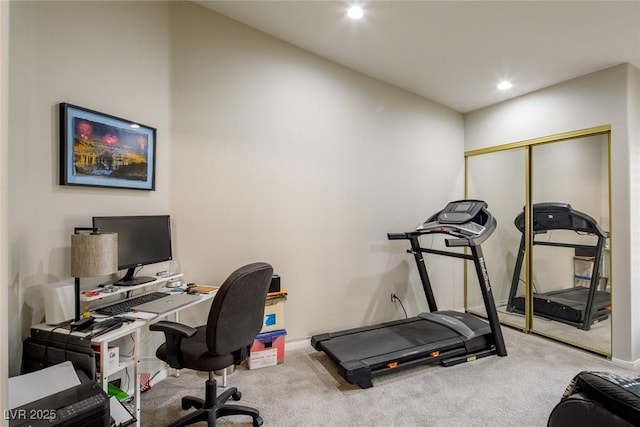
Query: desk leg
105, 371
104, 353
136, 374
176, 372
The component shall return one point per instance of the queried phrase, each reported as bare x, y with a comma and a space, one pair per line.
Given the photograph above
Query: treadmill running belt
377, 341
578, 295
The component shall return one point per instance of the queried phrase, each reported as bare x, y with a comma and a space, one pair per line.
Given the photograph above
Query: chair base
211, 407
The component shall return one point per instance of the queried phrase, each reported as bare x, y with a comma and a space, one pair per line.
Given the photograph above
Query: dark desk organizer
39, 353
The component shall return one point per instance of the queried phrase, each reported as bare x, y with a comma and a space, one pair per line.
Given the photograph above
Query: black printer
84, 405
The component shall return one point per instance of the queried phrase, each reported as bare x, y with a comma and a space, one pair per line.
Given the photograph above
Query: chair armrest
173, 328
173, 334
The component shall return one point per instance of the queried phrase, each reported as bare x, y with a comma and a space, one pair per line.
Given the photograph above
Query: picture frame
101, 150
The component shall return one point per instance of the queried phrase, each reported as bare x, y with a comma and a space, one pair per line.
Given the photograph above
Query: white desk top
139, 319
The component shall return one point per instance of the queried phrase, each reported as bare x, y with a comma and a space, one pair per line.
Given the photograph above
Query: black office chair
235, 318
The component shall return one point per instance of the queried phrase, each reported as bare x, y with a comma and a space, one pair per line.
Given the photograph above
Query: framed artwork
101, 150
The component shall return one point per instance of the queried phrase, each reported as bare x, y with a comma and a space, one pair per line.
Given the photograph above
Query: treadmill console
460, 211
549, 216
462, 218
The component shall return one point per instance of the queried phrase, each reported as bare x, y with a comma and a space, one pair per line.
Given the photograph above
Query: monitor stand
130, 280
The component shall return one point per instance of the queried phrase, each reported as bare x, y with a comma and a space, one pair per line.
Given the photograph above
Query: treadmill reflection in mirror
580, 306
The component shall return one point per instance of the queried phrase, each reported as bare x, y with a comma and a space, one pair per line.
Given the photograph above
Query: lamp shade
94, 254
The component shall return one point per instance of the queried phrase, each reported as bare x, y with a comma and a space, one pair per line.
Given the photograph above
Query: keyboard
127, 305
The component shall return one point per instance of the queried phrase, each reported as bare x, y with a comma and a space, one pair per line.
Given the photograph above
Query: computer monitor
142, 240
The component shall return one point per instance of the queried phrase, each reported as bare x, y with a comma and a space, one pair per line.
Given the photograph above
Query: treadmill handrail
475, 241
397, 236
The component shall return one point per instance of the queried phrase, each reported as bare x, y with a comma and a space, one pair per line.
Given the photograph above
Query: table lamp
93, 254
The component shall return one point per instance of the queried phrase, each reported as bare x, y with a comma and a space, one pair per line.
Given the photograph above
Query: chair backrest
237, 311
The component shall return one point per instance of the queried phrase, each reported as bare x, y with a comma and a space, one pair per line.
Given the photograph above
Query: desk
133, 361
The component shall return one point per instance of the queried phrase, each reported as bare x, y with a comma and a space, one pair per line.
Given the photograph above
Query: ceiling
455, 52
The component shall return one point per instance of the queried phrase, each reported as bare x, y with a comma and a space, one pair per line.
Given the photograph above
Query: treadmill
577, 306
445, 337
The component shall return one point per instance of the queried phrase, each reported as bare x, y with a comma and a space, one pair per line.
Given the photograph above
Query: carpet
520, 389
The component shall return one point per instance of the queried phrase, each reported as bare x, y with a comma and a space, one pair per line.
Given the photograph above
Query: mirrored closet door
549, 260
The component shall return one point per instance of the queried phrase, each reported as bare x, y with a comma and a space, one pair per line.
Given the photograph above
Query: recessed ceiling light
355, 12
505, 85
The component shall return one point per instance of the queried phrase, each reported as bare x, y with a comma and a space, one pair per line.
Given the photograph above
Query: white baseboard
297, 344
160, 371
156, 367
161, 375
632, 366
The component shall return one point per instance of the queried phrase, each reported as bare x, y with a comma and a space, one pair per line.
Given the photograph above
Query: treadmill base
567, 306
364, 353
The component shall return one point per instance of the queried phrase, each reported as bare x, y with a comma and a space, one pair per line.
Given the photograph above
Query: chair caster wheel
258, 421
236, 396
186, 405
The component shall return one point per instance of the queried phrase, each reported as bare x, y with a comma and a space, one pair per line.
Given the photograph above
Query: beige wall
282, 156
265, 152
633, 116
118, 64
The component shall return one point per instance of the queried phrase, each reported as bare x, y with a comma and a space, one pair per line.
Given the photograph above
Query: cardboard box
273, 314
267, 350
582, 269
263, 358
